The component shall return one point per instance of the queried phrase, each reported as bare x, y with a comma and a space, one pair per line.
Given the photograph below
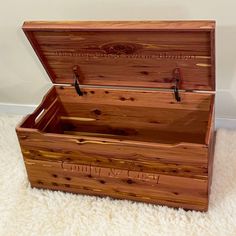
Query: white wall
24, 81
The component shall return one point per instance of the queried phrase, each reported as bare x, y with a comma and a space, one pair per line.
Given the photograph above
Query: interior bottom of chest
75, 126
152, 116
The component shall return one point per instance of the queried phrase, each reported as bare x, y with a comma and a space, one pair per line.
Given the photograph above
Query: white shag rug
25, 211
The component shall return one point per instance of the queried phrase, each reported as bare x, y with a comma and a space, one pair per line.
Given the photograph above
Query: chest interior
135, 115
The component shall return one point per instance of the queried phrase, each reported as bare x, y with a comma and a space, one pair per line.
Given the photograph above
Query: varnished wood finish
135, 134
138, 144
119, 183
110, 52
112, 25
185, 163
136, 114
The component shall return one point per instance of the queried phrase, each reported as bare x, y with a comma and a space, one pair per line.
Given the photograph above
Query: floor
26, 211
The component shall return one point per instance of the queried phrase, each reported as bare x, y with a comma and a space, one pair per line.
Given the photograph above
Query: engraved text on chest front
96, 171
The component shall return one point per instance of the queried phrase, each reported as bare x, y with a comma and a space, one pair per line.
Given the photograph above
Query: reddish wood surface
119, 183
111, 25
137, 144
50, 155
168, 147
110, 53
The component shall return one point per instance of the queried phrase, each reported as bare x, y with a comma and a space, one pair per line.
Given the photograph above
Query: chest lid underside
143, 54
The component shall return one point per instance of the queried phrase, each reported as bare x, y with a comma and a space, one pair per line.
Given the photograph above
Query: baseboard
225, 123
16, 109
22, 109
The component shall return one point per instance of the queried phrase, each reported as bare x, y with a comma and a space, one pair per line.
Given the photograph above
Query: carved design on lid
121, 48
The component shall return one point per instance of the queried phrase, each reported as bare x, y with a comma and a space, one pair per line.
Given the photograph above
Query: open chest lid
150, 54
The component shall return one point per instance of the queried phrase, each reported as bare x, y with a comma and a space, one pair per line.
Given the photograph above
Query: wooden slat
129, 25
127, 162
119, 118
182, 160
134, 98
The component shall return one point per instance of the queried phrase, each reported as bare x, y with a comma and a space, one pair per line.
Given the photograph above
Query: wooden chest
130, 114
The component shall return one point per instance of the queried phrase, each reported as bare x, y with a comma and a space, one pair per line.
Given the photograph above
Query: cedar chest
130, 114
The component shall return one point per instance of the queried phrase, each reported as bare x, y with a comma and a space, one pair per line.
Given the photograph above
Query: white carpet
26, 211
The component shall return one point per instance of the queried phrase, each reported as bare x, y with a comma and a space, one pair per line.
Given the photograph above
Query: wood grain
134, 143
65, 139
169, 156
109, 52
111, 25
138, 98
141, 186
182, 160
